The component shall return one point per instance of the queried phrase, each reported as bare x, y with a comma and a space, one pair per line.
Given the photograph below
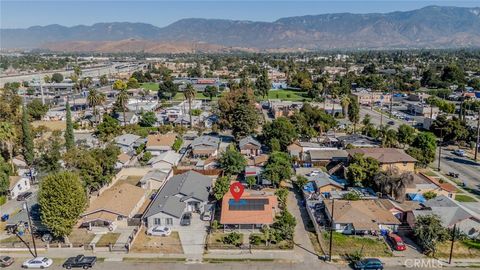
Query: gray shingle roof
206, 141
169, 198
247, 140
126, 139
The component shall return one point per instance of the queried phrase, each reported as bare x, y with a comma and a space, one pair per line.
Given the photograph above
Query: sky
22, 14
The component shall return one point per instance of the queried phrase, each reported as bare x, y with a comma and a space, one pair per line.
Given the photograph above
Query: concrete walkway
193, 239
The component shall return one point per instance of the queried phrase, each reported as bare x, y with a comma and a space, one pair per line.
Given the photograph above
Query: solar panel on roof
247, 204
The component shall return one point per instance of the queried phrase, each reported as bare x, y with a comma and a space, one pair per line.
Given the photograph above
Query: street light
25, 206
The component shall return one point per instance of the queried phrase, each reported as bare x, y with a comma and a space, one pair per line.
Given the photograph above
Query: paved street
468, 170
376, 117
13, 206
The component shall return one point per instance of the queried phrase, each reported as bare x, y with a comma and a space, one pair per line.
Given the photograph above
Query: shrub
255, 239
232, 239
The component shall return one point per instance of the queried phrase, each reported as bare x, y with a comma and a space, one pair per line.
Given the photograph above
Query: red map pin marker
237, 190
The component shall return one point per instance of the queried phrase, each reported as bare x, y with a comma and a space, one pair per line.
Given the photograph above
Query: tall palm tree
345, 102
334, 94
94, 99
122, 101
189, 94
7, 137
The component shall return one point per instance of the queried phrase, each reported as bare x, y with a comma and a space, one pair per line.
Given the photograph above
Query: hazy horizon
163, 13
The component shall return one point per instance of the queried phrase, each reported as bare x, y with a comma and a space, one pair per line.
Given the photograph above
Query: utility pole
331, 232
478, 134
25, 206
454, 232
440, 149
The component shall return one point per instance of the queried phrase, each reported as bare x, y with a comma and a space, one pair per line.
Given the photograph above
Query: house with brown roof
249, 146
360, 217
113, 207
423, 183
17, 185
389, 158
205, 146
250, 212
159, 143
399, 209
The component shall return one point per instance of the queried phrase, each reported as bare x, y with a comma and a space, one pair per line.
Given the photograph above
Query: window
157, 221
169, 221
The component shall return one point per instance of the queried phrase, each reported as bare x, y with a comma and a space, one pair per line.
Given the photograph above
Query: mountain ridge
428, 27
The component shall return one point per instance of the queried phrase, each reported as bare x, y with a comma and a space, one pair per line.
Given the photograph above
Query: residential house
284, 108
165, 161
251, 212
357, 141
17, 185
451, 213
205, 146
423, 183
399, 209
389, 158
159, 143
126, 142
131, 118
155, 179
124, 159
323, 183
257, 160
249, 146
324, 157
186, 192
113, 207
299, 149
360, 217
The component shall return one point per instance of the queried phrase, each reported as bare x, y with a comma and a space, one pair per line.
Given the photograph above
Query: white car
459, 152
38, 262
159, 231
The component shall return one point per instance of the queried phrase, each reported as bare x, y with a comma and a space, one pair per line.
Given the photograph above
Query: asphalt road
376, 117
468, 170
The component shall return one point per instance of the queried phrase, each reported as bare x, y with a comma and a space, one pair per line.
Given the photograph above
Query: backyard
347, 244
157, 244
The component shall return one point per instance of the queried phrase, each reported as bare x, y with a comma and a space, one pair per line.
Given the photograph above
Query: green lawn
464, 198
106, 239
346, 244
292, 95
150, 86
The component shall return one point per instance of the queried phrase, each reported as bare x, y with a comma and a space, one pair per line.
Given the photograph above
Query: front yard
80, 237
216, 241
347, 244
462, 249
157, 244
107, 239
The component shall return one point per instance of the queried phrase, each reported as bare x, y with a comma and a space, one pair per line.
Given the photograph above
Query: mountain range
428, 27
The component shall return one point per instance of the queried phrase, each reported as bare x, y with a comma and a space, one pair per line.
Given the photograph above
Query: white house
165, 161
18, 185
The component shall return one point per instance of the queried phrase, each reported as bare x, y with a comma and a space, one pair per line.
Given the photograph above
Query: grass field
464, 198
346, 244
150, 86
461, 249
106, 239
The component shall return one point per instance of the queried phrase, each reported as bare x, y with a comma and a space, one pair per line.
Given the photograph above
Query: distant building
369, 98
389, 158
423, 110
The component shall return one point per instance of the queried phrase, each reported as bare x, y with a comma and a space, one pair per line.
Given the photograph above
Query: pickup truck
82, 261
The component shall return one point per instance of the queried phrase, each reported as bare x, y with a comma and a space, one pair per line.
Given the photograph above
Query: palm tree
122, 101
334, 94
189, 94
7, 137
345, 102
94, 99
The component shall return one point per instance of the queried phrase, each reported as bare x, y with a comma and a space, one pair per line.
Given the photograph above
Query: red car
396, 242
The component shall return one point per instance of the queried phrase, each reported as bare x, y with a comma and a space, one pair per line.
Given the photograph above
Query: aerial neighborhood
320, 158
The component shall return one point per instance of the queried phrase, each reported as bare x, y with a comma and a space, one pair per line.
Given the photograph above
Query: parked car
186, 219
452, 174
207, 212
397, 242
370, 263
38, 262
391, 123
6, 261
459, 152
159, 231
24, 196
80, 261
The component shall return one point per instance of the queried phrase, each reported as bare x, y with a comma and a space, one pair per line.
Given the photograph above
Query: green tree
452, 73
284, 226
27, 142
62, 200
8, 135
5, 172
119, 85
232, 238
133, 83
263, 84
167, 89
345, 101
251, 181
429, 195
121, 102
278, 168
275, 145
392, 183
148, 119
50, 157
36, 109
281, 129
351, 196
95, 99
282, 195
221, 187
429, 232
423, 148
301, 181
232, 161
354, 114
211, 91
245, 118
177, 144
69, 137
405, 134
361, 169
108, 128
189, 93
57, 77
145, 158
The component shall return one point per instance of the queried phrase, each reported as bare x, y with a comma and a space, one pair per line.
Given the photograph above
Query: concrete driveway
193, 238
